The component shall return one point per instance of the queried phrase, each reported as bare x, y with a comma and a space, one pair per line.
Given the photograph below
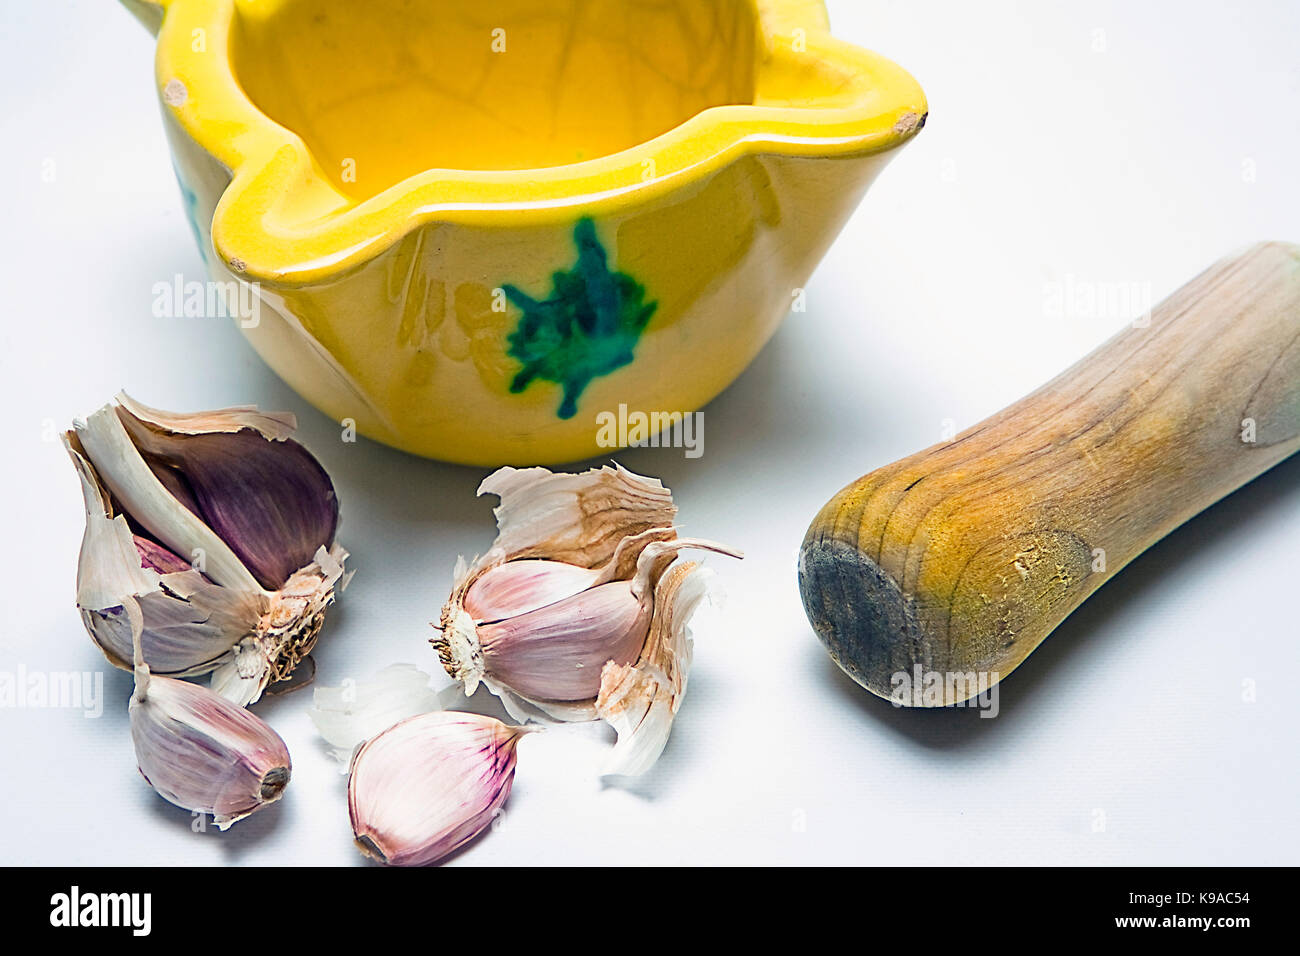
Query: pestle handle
965, 556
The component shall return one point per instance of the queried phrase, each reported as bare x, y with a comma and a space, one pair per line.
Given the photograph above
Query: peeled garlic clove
518, 587
204, 753
557, 651
430, 784
204, 520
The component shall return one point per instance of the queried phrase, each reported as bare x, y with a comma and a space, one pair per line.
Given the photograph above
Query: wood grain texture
965, 556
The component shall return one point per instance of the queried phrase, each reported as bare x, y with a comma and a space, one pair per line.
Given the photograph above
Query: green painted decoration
587, 326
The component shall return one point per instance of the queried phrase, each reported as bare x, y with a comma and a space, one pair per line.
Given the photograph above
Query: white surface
1043, 159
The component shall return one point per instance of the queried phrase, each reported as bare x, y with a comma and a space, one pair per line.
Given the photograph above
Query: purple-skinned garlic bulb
220, 528
579, 611
429, 784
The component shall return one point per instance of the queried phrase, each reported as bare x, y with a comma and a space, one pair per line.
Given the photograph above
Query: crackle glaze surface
474, 228
514, 84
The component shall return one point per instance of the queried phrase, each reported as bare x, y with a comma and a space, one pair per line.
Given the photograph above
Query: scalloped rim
255, 239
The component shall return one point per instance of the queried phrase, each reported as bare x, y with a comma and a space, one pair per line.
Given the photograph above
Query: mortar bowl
476, 229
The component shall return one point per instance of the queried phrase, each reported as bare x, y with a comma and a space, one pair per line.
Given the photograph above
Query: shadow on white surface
1044, 679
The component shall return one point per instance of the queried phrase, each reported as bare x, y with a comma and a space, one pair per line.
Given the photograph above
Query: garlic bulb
221, 529
579, 610
202, 752
430, 784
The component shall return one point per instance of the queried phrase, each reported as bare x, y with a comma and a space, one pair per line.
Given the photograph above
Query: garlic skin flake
349, 715
640, 700
204, 753
219, 527
579, 610
429, 784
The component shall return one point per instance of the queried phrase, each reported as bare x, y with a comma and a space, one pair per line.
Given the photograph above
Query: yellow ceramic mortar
474, 225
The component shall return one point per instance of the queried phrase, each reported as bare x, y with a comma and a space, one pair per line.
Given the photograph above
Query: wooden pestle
963, 557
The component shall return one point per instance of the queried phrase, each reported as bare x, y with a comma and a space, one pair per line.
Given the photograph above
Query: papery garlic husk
203, 752
429, 784
220, 527
573, 614
349, 715
640, 700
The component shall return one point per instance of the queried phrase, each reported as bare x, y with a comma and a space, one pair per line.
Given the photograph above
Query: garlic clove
204, 753
430, 784
184, 636
557, 652
176, 484
268, 499
123, 471
518, 587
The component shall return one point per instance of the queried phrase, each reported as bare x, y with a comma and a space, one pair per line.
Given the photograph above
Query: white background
1105, 141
